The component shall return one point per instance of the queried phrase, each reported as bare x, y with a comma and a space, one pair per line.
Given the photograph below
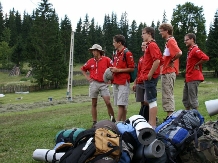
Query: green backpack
206, 149
132, 74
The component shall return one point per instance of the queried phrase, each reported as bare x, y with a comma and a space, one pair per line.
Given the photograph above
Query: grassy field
25, 129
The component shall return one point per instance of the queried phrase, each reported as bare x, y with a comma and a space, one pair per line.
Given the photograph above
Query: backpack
100, 144
132, 74
206, 150
67, 135
129, 141
179, 129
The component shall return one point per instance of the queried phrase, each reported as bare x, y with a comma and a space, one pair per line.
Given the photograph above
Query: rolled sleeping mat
144, 130
146, 136
154, 150
47, 155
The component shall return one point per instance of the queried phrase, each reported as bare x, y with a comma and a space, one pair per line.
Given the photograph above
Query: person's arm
178, 55
86, 75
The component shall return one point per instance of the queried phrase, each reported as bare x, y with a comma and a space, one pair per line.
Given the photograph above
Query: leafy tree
188, 18
5, 54
212, 46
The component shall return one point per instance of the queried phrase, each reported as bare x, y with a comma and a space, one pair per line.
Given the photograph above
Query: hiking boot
93, 125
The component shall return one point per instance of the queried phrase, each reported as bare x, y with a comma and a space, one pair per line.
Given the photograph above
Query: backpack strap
124, 55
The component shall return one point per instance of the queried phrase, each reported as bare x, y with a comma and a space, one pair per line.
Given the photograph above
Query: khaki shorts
190, 94
96, 87
168, 81
140, 93
121, 94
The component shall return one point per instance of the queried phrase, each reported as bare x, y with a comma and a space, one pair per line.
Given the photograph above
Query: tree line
43, 41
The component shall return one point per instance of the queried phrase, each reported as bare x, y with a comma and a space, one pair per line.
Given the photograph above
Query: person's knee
153, 104
94, 104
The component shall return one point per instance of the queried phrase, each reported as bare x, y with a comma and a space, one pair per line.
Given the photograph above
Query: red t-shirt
170, 51
120, 62
97, 68
152, 53
194, 56
138, 80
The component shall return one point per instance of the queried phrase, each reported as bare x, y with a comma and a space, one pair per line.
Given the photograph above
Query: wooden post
70, 73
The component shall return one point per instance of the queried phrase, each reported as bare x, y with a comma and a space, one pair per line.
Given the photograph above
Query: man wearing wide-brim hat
96, 67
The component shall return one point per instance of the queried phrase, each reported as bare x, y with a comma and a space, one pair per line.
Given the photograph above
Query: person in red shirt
138, 88
170, 68
96, 67
193, 75
122, 66
151, 71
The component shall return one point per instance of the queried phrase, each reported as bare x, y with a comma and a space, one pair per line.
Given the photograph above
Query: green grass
22, 132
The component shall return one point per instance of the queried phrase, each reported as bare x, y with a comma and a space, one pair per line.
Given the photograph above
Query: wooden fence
34, 88
24, 88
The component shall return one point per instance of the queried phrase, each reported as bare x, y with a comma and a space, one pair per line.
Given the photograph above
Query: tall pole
70, 73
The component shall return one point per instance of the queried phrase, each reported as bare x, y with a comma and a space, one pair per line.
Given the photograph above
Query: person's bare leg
121, 112
109, 106
124, 114
169, 113
94, 109
152, 116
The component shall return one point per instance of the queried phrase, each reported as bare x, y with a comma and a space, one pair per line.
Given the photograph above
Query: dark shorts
151, 89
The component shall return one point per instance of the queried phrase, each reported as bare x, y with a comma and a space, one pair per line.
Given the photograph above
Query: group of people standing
152, 65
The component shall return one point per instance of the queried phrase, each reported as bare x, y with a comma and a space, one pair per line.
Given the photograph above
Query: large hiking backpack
179, 129
206, 149
129, 141
101, 144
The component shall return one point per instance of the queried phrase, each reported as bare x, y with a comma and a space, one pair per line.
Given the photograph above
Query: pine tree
66, 30
133, 45
2, 22
212, 46
45, 47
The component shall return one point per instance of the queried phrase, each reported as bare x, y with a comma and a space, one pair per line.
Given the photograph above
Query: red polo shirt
152, 53
194, 56
171, 50
138, 80
97, 68
121, 63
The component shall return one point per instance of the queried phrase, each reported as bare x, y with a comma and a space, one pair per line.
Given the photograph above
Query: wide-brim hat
97, 47
108, 75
